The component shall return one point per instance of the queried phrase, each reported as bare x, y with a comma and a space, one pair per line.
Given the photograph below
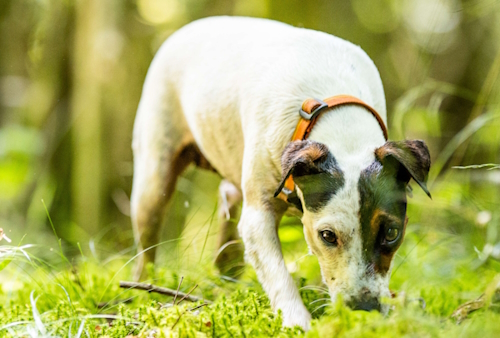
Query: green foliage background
71, 74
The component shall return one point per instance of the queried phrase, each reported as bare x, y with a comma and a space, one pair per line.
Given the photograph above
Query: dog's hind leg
229, 257
162, 150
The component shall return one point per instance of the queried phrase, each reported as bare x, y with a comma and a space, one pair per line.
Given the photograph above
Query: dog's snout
366, 301
367, 305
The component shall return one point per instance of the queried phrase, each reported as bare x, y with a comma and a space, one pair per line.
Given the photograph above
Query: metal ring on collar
315, 112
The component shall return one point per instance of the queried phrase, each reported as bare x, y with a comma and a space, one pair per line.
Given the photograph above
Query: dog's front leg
257, 228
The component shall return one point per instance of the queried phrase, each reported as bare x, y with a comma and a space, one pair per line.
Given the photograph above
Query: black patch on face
295, 201
410, 158
314, 171
318, 189
382, 206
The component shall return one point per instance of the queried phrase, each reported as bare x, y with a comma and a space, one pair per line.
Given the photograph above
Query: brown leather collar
309, 114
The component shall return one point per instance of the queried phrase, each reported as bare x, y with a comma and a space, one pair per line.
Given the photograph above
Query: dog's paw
297, 316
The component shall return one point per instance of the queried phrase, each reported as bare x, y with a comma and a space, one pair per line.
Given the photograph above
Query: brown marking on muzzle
375, 222
384, 263
383, 259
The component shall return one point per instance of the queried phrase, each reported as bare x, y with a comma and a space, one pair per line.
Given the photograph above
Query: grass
438, 265
49, 289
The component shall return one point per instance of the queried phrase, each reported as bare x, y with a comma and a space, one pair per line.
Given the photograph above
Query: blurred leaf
289, 234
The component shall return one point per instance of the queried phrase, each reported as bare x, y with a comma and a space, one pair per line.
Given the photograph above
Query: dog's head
354, 213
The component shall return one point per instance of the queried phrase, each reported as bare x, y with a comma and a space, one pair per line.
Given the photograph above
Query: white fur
235, 85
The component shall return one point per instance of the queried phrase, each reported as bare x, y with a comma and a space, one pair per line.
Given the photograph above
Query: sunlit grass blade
457, 140
36, 315
490, 166
80, 329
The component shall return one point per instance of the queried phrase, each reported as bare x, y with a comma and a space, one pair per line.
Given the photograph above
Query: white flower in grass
4, 236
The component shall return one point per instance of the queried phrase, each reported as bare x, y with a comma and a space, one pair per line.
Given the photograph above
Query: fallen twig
192, 309
465, 309
160, 290
187, 294
197, 307
177, 292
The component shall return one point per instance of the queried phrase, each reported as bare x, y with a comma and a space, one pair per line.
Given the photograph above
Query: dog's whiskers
320, 307
315, 288
302, 257
319, 300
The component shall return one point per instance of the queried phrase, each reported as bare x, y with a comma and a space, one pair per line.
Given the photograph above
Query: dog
227, 93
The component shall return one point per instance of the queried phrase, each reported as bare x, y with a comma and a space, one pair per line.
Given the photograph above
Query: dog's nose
367, 305
366, 302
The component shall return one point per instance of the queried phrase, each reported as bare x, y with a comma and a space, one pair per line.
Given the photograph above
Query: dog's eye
391, 235
328, 236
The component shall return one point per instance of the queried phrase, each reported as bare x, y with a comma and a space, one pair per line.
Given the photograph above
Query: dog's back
225, 72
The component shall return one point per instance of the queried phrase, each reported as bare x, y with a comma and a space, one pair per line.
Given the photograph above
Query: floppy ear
302, 158
409, 159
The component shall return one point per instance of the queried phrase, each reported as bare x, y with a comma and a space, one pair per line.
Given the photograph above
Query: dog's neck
351, 134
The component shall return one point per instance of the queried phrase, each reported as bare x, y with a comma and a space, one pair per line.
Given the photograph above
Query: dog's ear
406, 159
302, 158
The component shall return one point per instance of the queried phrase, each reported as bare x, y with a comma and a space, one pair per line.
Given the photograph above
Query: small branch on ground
192, 309
161, 290
465, 309
177, 292
187, 294
197, 307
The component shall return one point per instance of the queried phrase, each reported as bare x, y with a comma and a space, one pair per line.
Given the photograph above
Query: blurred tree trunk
92, 16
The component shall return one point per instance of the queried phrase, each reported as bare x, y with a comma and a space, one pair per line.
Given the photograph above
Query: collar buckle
315, 112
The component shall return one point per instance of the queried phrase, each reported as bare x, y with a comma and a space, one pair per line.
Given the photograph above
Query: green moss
69, 299
436, 265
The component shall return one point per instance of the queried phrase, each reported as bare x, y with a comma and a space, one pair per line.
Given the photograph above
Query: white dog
225, 93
